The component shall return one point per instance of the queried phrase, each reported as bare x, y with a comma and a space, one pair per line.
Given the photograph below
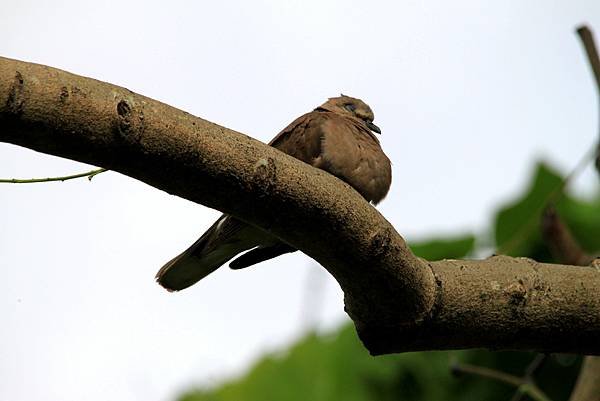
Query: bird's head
352, 107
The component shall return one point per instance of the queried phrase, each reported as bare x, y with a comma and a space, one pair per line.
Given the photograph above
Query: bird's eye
350, 107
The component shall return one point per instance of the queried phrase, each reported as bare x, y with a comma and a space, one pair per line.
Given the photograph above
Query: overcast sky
468, 94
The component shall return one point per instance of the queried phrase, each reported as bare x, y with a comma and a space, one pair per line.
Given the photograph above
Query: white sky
467, 93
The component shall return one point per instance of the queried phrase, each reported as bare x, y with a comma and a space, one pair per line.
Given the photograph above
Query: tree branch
587, 39
523, 385
560, 241
397, 301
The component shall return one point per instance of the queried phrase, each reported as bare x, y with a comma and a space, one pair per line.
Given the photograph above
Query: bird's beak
373, 127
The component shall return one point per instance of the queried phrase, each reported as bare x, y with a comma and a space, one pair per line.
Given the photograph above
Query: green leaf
517, 225
336, 366
444, 248
583, 219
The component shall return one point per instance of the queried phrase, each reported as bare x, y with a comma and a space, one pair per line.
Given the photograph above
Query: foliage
336, 366
517, 225
444, 248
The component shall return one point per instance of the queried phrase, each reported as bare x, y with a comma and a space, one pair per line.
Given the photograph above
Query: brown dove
336, 137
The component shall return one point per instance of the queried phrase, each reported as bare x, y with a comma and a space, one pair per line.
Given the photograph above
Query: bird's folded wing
302, 138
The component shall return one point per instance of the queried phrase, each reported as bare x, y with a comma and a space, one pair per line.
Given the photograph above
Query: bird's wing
302, 138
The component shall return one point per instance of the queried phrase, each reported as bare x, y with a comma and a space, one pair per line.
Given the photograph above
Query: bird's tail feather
219, 244
260, 254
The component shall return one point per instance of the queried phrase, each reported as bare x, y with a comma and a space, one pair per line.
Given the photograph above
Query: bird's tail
221, 242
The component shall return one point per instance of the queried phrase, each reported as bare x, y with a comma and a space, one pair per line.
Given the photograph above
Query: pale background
467, 93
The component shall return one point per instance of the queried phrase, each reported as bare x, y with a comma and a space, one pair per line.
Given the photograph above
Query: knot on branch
129, 127
15, 100
517, 293
265, 173
381, 241
64, 94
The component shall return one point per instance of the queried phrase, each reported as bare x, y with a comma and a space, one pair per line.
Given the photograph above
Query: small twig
525, 386
95, 173
89, 175
463, 368
587, 38
560, 241
535, 365
530, 371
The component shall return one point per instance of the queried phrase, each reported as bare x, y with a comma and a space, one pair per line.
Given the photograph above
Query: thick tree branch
397, 301
504, 303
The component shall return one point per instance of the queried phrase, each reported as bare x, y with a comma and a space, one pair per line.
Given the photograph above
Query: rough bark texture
504, 303
397, 301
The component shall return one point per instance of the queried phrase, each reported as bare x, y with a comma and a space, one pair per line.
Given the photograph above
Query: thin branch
560, 241
536, 364
538, 361
587, 38
89, 175
464, 368
524, 386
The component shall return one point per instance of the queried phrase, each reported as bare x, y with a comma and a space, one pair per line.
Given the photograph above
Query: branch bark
397, 301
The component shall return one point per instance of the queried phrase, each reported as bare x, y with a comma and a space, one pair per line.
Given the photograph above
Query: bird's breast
355, 157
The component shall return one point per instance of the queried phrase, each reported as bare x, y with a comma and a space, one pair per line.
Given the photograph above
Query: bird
337, 137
